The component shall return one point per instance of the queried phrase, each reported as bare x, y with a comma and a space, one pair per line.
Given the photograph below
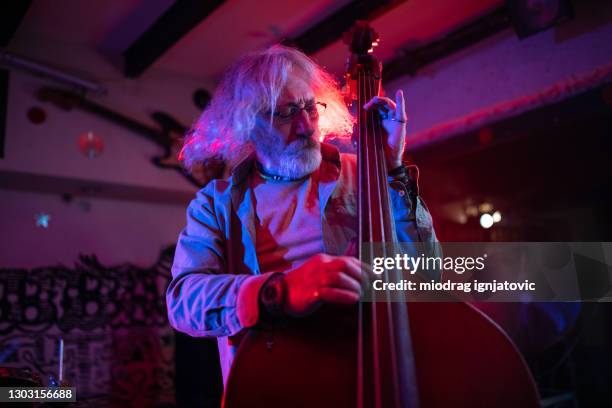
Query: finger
365, 268
334, 295
381, 102
370, 103
386, 102
400, 112
342, 280
349, 265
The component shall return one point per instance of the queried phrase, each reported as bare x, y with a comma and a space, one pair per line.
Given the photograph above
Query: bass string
361, 308
365, 165
373, 202
373, 157
385, 220
397, 317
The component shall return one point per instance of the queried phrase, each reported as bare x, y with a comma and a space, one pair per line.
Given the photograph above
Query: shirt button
402, 193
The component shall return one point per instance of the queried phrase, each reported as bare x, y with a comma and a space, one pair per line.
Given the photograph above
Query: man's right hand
323, 278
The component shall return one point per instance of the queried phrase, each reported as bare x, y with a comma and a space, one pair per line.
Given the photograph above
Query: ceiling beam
332, 28
409, 61
169, 28
11, 15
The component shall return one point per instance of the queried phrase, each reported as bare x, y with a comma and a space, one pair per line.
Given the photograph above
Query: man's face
290, 148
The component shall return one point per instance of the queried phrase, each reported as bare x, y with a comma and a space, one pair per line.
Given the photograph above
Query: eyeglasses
291, 111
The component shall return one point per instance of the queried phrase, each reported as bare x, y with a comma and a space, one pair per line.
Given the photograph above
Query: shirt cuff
247, 306
407, 176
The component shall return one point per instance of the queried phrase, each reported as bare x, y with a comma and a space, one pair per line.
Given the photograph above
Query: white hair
250, 88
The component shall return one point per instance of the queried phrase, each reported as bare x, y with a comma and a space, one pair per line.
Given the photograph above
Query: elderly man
277, 238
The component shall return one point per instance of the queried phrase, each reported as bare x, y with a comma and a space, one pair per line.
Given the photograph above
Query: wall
503, 68
118, 231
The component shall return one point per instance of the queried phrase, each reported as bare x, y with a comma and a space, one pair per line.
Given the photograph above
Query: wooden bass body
463, 359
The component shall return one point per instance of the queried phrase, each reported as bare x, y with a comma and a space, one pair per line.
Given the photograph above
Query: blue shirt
216, 272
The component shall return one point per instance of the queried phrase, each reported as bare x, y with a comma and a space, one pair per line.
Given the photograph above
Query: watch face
270, 292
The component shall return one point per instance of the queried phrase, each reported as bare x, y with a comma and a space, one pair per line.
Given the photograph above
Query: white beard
299, 159
296, 160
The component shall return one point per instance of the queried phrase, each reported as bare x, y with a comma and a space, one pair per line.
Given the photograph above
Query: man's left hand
394, 119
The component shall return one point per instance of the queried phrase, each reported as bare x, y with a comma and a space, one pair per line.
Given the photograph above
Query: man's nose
304, 124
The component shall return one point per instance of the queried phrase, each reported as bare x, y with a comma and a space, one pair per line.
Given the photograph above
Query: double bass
384, 353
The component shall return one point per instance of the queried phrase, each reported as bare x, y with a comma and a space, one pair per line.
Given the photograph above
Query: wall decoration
37, 115
118, 346
169, 137
90, 144
42, 220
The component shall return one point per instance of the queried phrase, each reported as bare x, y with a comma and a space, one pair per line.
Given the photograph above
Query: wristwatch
272, 295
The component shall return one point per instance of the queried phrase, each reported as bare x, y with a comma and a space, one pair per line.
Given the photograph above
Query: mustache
302, 142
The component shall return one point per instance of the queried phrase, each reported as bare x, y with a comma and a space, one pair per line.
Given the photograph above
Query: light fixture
496, 216
486, 220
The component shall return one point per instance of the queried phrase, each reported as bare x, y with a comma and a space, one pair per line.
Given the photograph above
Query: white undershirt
287, 223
